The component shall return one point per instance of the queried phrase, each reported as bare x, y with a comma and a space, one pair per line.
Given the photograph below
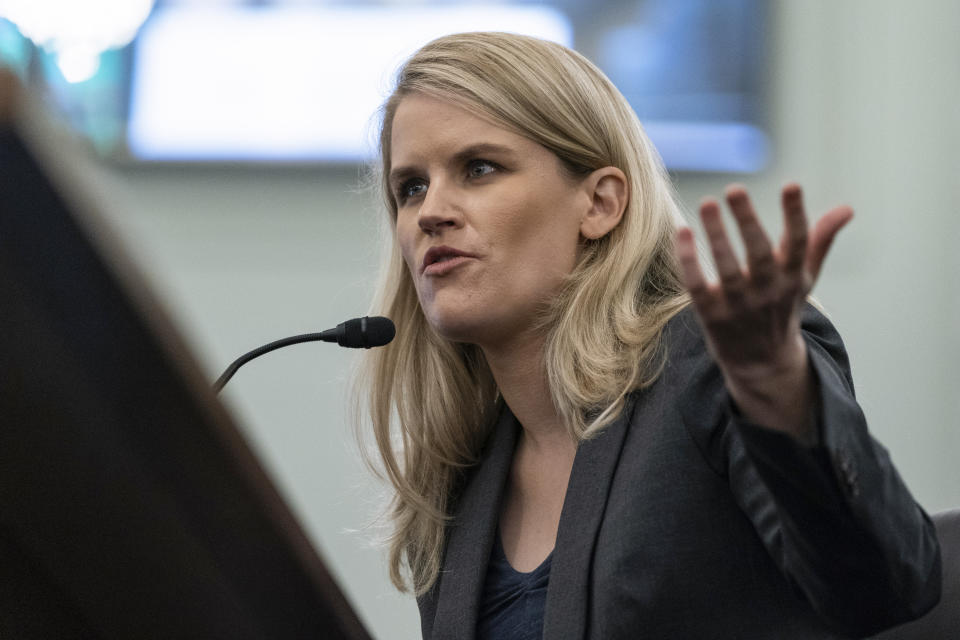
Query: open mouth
442, 259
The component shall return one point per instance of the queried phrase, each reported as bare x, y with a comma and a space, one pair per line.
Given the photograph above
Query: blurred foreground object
130, 504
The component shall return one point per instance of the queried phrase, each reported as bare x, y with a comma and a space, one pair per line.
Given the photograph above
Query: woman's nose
439, 211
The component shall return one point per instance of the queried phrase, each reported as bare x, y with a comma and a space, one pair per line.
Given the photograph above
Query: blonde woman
586, 437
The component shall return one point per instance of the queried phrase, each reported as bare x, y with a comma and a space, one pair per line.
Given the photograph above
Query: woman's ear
609, 192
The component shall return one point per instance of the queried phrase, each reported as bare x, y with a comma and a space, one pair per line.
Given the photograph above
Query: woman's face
488, 221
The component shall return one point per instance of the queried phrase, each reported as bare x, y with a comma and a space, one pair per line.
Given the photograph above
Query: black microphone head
366, 332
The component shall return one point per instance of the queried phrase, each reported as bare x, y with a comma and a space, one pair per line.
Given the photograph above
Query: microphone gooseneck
358, 333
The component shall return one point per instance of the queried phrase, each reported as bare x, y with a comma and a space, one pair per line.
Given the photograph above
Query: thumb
822, 237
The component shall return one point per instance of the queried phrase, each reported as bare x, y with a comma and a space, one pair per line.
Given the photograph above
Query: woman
586, 437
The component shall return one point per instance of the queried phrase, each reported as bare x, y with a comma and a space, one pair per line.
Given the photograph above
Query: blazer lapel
583, 506
471, 536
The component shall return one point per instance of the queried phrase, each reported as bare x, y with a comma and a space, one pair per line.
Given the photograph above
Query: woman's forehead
427, 125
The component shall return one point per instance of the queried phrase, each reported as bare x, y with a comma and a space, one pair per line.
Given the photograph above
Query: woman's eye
480, 168
411, 189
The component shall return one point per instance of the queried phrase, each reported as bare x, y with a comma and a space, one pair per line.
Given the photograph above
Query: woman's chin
460, 327
455, 330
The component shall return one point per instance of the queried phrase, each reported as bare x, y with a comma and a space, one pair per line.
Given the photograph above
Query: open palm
751, 315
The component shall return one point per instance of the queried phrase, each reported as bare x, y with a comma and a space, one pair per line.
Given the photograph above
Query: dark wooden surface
130, 505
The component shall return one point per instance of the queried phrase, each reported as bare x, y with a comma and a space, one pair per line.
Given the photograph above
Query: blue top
512, 604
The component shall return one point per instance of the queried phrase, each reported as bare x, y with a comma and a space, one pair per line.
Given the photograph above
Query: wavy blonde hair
433, 402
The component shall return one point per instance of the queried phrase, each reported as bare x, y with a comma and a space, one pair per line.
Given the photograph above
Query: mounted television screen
301, 83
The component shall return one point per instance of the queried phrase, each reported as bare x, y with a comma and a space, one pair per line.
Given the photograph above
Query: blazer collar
471, 535
568, 594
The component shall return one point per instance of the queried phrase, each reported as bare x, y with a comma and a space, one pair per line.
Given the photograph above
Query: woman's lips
440, 260
445, 265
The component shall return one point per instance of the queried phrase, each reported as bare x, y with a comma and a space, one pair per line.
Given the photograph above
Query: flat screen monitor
302, 82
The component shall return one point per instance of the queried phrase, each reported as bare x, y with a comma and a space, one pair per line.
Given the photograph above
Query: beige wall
864, 102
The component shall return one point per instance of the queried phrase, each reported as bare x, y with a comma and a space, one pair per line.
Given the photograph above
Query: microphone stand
267, 348
357, 333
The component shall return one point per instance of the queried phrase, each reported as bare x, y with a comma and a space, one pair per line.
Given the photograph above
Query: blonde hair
433, 402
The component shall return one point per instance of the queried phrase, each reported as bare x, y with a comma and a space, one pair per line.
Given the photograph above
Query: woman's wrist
779, 396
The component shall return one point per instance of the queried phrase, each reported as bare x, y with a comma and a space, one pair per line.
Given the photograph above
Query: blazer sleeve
836, 518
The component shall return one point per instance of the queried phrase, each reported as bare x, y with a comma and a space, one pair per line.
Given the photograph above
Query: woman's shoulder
693, 381
683, 336
690, 373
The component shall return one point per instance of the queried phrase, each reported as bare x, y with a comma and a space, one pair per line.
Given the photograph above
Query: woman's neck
519, 371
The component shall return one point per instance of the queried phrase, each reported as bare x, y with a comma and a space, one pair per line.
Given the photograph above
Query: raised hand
751, 316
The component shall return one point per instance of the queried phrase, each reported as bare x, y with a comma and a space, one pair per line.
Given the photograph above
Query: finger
728, 268
759, 252
693, 278
793, 246
822, 237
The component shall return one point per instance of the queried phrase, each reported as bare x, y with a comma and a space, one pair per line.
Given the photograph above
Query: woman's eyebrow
399, 174
482, 148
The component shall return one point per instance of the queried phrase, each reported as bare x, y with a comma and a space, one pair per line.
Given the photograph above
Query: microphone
358, 333
362, 332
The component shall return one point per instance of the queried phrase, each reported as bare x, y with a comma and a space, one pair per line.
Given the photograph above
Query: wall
863, 107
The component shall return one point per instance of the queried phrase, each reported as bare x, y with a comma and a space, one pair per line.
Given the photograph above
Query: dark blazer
683, 521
